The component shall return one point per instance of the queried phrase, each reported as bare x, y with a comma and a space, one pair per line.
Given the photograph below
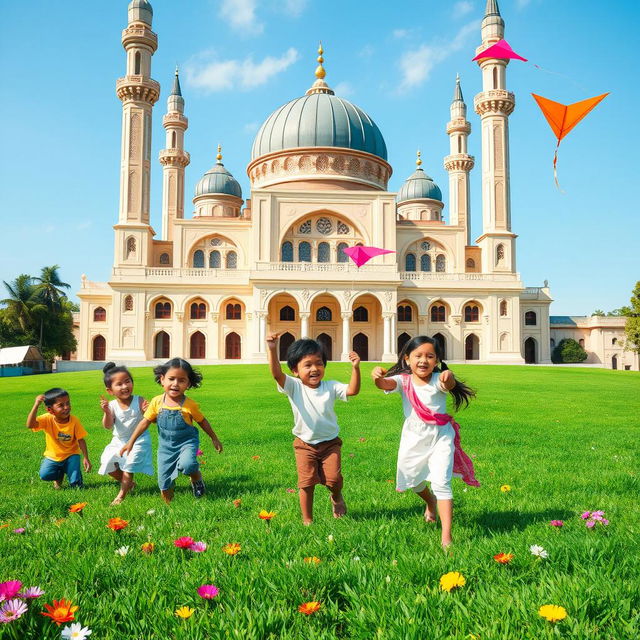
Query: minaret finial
418, 159
176, 91
219, 156
320, 72
320, 86
457, 92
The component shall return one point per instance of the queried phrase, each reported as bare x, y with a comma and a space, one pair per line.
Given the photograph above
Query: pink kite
362, 255
501, 50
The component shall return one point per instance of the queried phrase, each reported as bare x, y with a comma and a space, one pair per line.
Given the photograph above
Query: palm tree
22, 300
50, 287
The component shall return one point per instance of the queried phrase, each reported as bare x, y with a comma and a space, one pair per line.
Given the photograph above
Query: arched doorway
361, 346
286, 340
198, 346
233, 349
530, 351
162, 345
403, 338
441, 341
326, 343
472, 347
99, 348
614, 362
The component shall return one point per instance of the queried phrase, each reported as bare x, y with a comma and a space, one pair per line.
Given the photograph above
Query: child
178, 439
430, 443
317, 445
123, 415
64, 436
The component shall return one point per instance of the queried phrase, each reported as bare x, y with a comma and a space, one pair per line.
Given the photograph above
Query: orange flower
4, 526
232, 548
237, 502
148, 547
61, 611
266, 515
503, 558
255, 457
309, 607
78, 507
312, 560
117, 523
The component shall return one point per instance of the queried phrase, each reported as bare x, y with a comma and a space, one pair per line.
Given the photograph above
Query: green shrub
568, 351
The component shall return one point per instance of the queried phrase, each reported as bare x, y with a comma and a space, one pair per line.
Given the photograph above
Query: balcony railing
434, 275
325, 267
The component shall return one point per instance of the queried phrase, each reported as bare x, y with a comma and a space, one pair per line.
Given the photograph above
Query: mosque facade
217, 282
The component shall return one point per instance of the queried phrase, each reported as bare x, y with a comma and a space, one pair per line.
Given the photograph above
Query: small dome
218, 181
140, 11
419, 186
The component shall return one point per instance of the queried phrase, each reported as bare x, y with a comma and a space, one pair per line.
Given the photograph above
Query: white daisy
122, 551
76, 632
539, 551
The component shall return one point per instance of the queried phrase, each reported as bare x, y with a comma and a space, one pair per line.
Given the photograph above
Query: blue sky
241, 59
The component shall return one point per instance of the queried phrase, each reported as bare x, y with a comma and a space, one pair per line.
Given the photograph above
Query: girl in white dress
430, 448
122, 415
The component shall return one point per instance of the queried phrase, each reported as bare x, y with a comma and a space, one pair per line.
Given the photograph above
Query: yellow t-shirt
61, 438
190, 410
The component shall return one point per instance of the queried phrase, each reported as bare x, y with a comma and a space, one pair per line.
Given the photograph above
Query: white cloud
219, 75
344, 89
292, 7
241, 15
400, 34
417, 64
462, 8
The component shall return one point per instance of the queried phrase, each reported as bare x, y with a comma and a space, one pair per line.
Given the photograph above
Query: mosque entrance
530, 351
286, 340
326, 344
361, 346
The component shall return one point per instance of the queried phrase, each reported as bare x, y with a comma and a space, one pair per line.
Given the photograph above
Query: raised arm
107, 415
354, 384
143, 425
32, 423
274, 363
386, 384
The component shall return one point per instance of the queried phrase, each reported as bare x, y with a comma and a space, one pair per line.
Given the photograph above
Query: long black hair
110, 369
461, 392
195, 377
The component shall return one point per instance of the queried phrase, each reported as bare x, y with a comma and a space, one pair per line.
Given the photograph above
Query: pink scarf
462, 465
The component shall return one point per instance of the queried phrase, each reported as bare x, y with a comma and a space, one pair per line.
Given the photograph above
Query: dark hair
52, 395
110, 369
304, 347
460, 392
195, 377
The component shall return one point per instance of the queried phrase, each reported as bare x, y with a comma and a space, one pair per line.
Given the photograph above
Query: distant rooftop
567, 319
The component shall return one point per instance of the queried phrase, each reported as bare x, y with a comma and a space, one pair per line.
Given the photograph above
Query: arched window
232, 347
128, 303
199, 311
441, 264
438, 313
471, 263
286, 340
163, 310
499, 253
136, 64
324, 252
503, 308
174, 142
197, 346
99, 348
360, 314
614, 341
342, 256
495, 77
234, 312
304, 252
198, 259
552, 343
131, 246
404, 313
471, 314
214, 260
425, 262
323, 314
162, 345
441, 345
287, 314
164, 258
471, 347
530, 318
403, 338
410, 262
99, 314
286, 252
232, 260
581, 342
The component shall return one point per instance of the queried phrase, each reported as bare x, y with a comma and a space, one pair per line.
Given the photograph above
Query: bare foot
57, 485
307, 523
447, 545
339, 507
117, 500
430, 509
167, 496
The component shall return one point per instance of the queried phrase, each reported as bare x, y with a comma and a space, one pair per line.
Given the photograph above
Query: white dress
426, 450
139, 459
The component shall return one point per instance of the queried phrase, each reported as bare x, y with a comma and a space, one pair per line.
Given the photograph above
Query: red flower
61, 611
117, 523
503, 558
184, 543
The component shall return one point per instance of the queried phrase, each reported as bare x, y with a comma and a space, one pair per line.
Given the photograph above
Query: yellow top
219, 156
419, 159
190, 410
320, 72
61, 438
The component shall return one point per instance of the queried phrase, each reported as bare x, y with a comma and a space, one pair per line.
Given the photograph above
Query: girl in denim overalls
178, 439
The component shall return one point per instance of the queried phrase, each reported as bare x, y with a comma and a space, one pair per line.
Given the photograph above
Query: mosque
216, 282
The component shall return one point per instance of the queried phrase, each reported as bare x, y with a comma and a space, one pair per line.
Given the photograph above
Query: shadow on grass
499, 521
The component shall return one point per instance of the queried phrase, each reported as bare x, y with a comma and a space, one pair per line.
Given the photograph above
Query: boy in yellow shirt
64, 437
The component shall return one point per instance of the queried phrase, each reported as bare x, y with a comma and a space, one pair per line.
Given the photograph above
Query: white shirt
433, 395
313, 413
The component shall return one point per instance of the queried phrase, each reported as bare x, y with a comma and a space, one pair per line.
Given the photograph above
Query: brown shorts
318, 463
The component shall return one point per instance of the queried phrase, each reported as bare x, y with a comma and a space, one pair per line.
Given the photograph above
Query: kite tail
555, 168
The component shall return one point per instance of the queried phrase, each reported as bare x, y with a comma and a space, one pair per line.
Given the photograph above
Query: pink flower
199, 452
31, 592
557, 523
585, 515
598, 515
12, 610
198, 547
208, 591
590, 524
604, 521
184, 543
19, 530
9, 589
291, 491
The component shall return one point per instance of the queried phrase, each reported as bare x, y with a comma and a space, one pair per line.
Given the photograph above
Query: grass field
565, 440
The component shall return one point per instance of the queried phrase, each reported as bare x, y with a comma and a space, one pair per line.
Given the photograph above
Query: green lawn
564, 439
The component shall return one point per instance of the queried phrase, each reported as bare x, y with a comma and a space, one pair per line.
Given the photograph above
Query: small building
22, 361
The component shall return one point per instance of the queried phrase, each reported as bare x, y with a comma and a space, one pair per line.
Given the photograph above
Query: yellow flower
309, 608
505, 488
266, 515
232, 548
452, 580
148, 547
552, 612
184, 612
312, 560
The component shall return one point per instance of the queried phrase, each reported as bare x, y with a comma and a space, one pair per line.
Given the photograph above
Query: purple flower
597, 514
31, 592
590, 524
198, 547
586, 515
208, 591
557, 523
19, 530
604, 521
12, 610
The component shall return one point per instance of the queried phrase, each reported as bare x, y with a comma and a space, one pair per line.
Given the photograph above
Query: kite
500, 50
562, 118
361, 255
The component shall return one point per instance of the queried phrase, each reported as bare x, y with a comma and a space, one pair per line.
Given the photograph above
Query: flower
199, 452
76, 632
330, 539
557, 523
452, 580
356, 558
184, 543
266, 515
148, 547
552, 612
505, 488
362, 439
9, 589
198, 547
291, 490
537, 550
184, 612
232, 548
503, 558
31, 593
12, 610
61, 611
117, 523
312, 560
590, 524
208, 591
77, 507
151, 512
593, 517
309, 607
19, 530
255, 457
237, 502
122, 551
586, 515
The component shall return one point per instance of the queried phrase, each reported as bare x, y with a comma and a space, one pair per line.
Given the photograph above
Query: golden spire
219, 156
320, 86
320, 72
419, 159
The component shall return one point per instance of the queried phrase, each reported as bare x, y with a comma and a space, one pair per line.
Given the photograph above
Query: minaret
494, 105
459, 163
138, 93
173, 160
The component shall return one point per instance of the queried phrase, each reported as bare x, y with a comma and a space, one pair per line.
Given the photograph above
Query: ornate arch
151, 302
435, 248
286, 233
204, 244
294, 294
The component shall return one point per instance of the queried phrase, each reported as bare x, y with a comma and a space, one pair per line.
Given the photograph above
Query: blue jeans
52, 470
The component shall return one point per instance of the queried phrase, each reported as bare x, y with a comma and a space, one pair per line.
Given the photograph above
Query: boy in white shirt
317, 445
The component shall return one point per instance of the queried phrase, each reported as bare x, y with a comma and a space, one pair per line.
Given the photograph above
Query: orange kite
563, 117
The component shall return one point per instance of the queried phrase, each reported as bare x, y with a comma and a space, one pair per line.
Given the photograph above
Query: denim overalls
177, 448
